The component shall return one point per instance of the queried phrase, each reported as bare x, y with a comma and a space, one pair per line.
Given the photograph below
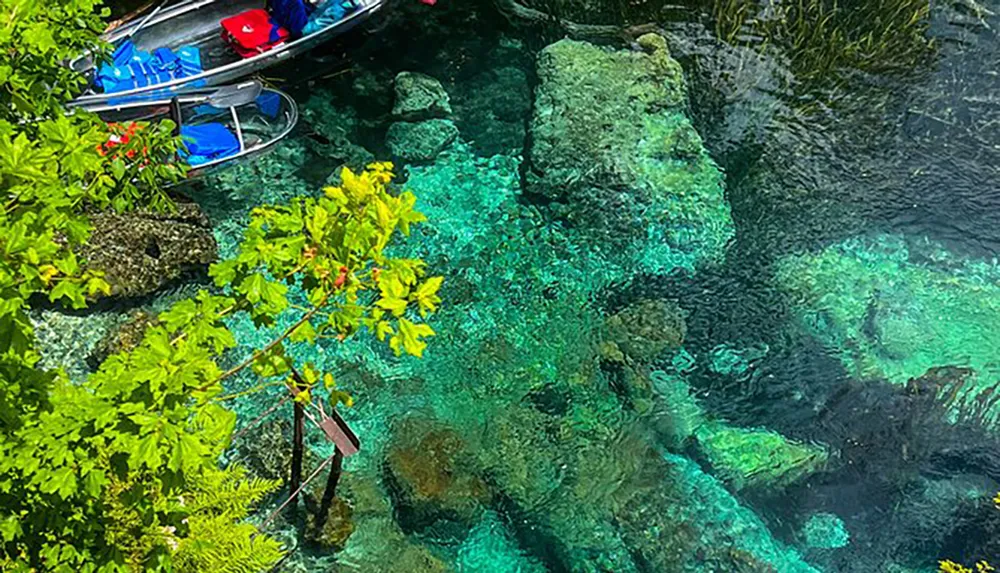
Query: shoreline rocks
141, 251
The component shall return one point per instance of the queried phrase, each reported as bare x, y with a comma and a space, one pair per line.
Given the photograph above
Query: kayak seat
132, 68
208, 141
253, 32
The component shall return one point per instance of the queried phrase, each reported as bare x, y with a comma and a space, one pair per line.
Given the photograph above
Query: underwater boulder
825, 531
422, 141
419, 97
613, 152
429, 473
893, 309
582, 495
746, 457
646, 328
333, 530
141, 251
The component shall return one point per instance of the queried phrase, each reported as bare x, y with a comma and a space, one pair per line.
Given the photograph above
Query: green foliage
216, 540
52, 164
120, 472
332, 247
37, 36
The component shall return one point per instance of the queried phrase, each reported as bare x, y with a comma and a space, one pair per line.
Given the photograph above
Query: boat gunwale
284, 50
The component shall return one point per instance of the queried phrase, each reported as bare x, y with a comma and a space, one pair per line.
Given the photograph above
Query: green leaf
410, 338
304, 333
94, 482
146, 452
426, 295
187, 452
61, 481
10, 527
383, 329
303, 397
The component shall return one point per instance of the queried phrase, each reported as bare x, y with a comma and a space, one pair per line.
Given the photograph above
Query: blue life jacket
292, 15
132, 68
208, 141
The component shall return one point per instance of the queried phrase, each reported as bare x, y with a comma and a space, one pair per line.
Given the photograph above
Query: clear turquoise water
789, 368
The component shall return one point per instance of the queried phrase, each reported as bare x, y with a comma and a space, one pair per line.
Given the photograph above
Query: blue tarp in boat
207, 142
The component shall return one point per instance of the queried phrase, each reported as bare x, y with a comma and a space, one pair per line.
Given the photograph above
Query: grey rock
421, 141
419, 96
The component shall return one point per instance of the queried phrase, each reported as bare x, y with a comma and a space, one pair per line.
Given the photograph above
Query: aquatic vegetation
823, 39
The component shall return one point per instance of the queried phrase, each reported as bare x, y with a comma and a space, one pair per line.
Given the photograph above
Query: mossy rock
421, 141
756, 457
614, 153
141, 251
419, 97
333, 530
645, 329
431, 476
895, 308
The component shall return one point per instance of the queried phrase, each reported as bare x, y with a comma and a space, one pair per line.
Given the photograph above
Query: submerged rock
335, 528
140, 251
825, 531
645, 329
419, 97
429, 472
756, 457
420, 141
124, 338
894, 309
581, 496
613, 152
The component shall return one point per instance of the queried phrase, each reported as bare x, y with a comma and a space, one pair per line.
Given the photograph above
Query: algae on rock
139, 252
614, 153
756, 457
894, 309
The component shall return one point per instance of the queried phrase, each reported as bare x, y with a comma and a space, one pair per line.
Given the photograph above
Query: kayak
202, 43
219, 126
